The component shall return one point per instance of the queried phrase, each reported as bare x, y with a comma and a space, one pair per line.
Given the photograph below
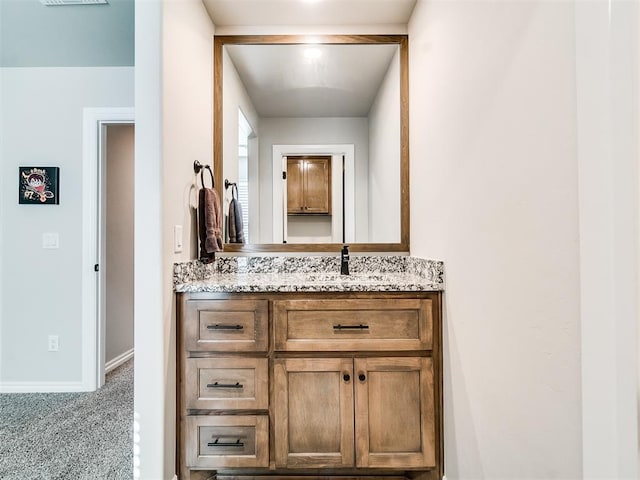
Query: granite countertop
310, 274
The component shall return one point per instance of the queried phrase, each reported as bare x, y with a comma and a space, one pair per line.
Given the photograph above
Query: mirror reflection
312, 142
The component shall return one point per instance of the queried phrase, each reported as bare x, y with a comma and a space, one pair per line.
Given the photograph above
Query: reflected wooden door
295, 186
317, 185
309, 185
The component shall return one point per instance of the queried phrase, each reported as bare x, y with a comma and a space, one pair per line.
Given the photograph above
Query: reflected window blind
244, 132
243, 189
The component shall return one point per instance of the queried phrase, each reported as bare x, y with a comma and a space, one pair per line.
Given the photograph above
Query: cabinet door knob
346, 377
362, 377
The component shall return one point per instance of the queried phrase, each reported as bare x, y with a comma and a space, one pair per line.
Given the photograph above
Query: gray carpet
69, 436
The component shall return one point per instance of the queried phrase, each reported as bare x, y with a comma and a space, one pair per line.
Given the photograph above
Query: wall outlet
50, 240
54, 343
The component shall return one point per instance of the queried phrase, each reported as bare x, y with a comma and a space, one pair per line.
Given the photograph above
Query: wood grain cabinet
339, 384
382, 417
309, 185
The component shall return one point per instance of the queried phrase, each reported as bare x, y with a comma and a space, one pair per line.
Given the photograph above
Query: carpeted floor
69, 436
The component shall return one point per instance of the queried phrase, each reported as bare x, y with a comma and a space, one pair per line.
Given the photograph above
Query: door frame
93, 322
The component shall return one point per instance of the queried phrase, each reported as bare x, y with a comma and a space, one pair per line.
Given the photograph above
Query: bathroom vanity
288, 369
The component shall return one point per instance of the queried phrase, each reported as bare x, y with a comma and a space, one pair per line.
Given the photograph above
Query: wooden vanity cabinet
354, 386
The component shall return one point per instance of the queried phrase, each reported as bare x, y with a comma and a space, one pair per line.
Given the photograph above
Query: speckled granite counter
309, 274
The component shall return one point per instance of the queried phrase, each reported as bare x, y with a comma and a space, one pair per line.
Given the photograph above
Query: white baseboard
119, 360
60, 387
42, 387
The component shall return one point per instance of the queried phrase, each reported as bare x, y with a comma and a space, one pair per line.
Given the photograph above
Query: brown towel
209, 224
236, 229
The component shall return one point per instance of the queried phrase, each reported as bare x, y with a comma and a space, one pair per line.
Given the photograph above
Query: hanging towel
209, 223
236, 228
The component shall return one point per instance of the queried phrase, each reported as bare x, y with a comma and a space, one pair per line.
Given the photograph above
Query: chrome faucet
344, 260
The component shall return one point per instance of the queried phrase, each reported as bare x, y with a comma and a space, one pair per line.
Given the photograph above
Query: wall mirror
311, 138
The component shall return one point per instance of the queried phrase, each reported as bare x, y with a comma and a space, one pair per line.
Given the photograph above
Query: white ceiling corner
226, 13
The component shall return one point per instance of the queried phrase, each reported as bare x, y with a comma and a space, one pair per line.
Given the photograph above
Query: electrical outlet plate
54, 343
50, 240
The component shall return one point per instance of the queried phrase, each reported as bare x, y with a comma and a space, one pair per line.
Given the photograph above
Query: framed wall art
39, 185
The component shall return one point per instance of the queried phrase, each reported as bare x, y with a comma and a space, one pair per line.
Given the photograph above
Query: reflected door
309, 185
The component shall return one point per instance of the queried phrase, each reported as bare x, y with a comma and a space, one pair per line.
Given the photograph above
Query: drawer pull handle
217, 326
351, 327
225, 385
217, 443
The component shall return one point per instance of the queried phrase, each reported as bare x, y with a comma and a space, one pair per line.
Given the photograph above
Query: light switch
177, 238
50, 240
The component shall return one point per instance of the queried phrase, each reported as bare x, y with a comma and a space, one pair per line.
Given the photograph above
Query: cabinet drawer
230, 441
353, 325
227, 383
226, 325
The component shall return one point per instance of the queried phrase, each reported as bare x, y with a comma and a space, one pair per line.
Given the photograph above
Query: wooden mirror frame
402, 41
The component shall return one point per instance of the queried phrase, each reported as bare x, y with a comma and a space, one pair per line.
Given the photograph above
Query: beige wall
384, 159
494, 195
119, 241
187, 135
235, 97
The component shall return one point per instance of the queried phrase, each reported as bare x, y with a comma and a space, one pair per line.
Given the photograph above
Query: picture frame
39, 185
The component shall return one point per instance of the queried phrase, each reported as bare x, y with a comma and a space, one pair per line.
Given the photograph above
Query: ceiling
35, 35
281, 82
309, 12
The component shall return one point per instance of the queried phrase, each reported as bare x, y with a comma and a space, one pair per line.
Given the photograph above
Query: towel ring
213, 182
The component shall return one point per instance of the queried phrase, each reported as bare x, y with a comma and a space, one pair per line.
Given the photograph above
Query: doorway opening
107, 183
116, 243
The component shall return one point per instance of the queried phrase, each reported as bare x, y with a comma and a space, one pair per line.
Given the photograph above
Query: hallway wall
42, 126
119, 241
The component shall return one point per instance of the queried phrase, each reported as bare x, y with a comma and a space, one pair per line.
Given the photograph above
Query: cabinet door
317, 186
313, 412
395, 417
309, 185
295, 186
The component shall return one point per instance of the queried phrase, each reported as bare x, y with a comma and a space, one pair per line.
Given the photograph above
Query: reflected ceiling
328, 80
